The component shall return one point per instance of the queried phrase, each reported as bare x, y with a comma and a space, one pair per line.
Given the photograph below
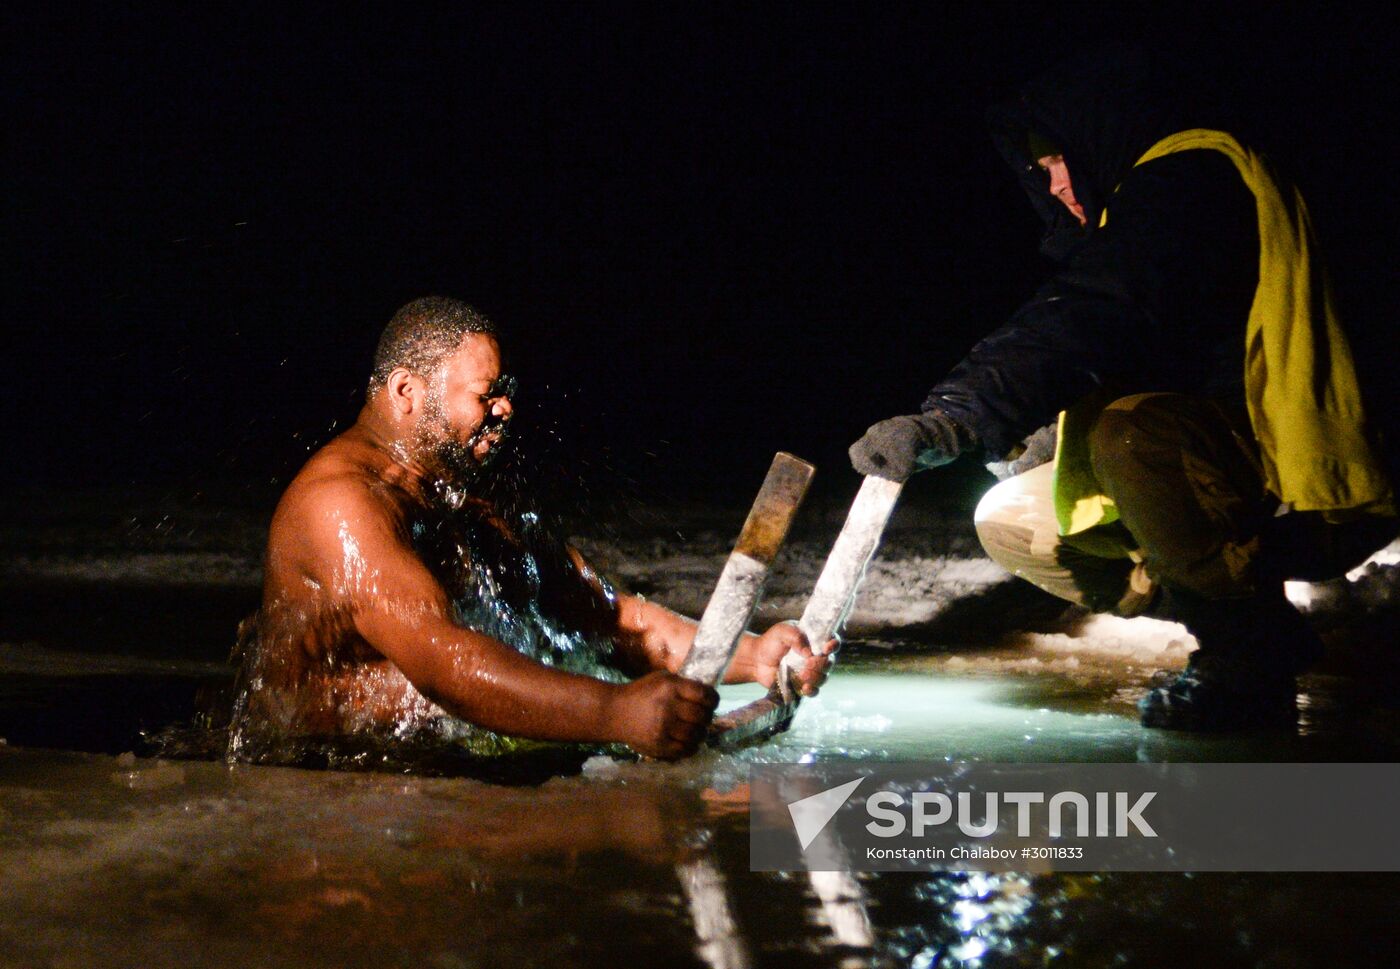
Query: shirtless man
357, 628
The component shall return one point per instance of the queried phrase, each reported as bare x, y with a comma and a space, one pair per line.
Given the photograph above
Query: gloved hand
897, 447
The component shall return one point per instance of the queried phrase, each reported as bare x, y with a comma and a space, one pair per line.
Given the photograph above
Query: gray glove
897, 447
1034, 451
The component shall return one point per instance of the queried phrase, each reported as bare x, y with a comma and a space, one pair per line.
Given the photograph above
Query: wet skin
356, 628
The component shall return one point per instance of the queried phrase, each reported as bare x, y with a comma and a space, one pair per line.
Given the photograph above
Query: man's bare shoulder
343, 471
346, 489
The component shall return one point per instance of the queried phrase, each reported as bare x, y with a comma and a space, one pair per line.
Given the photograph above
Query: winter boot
1208, 696
1242, 676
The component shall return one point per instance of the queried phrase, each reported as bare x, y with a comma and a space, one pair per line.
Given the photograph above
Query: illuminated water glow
914, 716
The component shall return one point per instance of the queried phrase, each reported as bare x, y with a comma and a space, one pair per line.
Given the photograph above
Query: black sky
708, 231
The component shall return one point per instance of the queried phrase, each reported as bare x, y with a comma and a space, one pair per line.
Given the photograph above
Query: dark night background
709, 232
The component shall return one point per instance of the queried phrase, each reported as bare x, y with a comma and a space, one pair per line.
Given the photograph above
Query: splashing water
515, 581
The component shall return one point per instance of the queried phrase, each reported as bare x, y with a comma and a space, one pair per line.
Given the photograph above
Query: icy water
125, 861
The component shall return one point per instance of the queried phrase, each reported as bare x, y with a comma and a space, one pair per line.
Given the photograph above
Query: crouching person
1211, 438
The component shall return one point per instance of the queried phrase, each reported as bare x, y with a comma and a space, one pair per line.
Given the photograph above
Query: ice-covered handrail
826, 611
736, 594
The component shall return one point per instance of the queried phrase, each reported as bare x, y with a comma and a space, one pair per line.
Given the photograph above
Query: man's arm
1052, 353
1157, 299
652, 637
358, 550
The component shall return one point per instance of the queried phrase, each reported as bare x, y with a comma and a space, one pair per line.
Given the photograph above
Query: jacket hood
1104, 111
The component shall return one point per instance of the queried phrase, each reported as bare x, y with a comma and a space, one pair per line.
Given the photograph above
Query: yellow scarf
1300, 385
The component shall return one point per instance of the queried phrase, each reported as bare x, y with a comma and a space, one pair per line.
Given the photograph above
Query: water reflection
986, 915
721, 943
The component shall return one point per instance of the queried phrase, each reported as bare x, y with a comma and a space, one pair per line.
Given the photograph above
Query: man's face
465, 412
1060, 186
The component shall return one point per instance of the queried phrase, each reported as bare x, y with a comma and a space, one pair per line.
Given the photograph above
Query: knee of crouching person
1115, 442
993, 538
993, 522
995, 505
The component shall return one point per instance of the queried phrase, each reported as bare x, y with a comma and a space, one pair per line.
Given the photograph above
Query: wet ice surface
113, 860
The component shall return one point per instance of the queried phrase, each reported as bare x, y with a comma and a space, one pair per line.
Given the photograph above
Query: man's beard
455, 462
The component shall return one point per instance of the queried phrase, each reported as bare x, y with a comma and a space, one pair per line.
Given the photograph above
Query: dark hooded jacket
1155, 300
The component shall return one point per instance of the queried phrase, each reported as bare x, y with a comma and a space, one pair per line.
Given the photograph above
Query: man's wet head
438, 384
